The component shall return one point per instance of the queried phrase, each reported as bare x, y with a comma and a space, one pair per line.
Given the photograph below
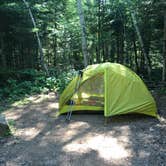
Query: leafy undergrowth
18, 86
162, 91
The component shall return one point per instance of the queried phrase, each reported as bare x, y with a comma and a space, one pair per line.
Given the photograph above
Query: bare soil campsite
82, 82
38, 138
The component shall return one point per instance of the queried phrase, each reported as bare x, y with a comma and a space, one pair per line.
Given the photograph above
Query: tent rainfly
111, 87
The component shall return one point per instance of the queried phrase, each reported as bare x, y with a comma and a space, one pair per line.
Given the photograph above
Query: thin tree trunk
102, 31
83, 30
99, 31
130, 59
112, 52
141, 43
55, 50
105, 55
136, 56
121, 57
142, 63
97, 55
121, 43
44, 65
3, 58
164, 50
117, 48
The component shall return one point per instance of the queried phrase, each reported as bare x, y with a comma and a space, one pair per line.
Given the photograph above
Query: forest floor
41, 139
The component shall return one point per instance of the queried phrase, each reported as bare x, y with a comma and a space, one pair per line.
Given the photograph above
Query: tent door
91, 92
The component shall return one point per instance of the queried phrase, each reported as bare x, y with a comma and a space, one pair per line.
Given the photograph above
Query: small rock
151, 129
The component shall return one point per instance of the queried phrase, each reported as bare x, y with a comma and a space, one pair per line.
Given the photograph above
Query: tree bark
164, 50
99, 31
83, 31
3, 58
112, 52
55, 50
44, 65
142, 63
118, 48
121, 43
141, 43
136, 55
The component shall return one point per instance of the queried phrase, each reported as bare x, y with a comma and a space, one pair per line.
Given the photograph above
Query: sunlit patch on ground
53, 105
35, 99
13, 114
74, 129
30, 132
107, 147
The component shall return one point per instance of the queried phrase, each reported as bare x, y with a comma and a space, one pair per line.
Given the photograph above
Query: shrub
30, 81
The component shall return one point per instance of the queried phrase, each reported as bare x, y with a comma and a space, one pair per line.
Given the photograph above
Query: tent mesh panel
91, 92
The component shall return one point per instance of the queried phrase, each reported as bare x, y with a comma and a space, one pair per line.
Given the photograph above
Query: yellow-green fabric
111, 87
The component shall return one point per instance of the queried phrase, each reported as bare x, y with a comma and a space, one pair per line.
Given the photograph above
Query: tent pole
69, 113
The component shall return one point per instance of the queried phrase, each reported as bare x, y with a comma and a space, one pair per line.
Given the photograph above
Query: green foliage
11, 124
30, 81
109, 29
7, 134
64, 79
1, 109
162, 91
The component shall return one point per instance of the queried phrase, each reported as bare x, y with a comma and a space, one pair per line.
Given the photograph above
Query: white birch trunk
38, 39
83, 31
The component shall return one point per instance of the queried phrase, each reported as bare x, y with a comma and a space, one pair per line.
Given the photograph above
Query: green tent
111, 87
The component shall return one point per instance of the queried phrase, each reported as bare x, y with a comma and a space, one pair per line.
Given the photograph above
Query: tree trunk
55, 50
102, 30
121, 44
99, 31
135, 55
44, 65
112, 52
141, 43
97, 55
164, 50
117, 48
130, 59
83, 30
142, 63
105, 55
3, 58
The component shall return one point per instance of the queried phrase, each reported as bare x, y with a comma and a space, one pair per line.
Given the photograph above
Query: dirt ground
41, 139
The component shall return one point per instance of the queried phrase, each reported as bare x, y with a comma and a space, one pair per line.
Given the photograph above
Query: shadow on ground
41, 139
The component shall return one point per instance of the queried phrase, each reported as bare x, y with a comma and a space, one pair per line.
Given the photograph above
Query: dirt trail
41, 139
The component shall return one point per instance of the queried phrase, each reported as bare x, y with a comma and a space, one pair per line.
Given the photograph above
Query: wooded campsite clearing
41, 139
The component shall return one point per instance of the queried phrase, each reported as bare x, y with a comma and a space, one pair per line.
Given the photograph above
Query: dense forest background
60, 37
